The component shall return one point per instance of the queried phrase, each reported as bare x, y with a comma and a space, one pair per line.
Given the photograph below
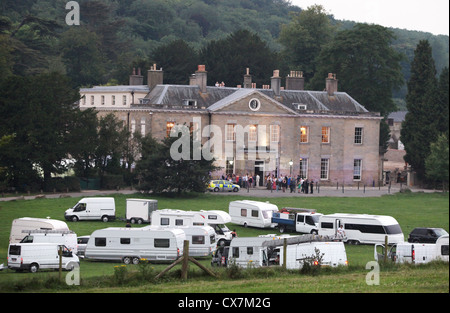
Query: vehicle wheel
221, 243
136, 260
74, 218
281, 229
314, 232
235, 189
105, 219
216, 189
127, 260
140, 221
245, 225
133, 221
34, 268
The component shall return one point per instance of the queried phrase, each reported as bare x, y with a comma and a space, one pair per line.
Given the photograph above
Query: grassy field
410, 210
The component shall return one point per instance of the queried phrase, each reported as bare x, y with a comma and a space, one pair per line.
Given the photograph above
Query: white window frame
230, 133
358, 137
303, 168
274, 133
253, 133
357, 169
304, 138
326, 134
324, 168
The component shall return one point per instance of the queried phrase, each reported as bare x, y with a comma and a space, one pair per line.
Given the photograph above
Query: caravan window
372, 229
212, 238
125, 241
212, 217
444, 250
164, 221
236, 252
249, 250
179, 222
162, 243
198, 240
100, 242
254, 213
265, 215
243, 212
326, 225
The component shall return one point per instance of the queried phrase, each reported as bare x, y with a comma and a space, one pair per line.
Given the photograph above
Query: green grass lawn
410, 210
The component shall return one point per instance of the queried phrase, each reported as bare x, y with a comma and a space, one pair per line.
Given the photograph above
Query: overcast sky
430, 16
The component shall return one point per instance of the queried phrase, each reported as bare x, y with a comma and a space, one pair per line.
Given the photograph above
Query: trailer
252, 213
297, 220
138, 211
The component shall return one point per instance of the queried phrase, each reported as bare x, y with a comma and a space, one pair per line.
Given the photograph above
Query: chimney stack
295, 81
199, 78
248, 79
136, 79
154, 77
275, 82
331, 84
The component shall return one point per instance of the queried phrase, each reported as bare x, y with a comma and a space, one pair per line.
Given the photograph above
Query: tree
304, 37
159, 172
437, 162
367, 67
419, 127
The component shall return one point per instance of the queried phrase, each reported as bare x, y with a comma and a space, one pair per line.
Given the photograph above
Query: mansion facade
325, 136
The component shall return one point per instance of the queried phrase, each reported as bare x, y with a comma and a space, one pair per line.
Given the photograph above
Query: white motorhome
267, 250
139, 211
178, 218
35, 256
417, 253
62, 237
361, 228
252, 213
30, 223
202, 239
130, 245
102, 208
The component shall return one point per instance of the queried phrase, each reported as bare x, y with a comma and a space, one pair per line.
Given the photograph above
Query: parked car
223, 185
426, 235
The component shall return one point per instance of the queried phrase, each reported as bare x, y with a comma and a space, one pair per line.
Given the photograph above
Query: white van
417, 253
179, 218
202, 239
362, 228
62, 237
130, 245
139, 211
252, 213
103, 208
268, 250
30, 223
35, 256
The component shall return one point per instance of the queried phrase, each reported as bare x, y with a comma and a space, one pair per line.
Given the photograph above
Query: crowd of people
271, 182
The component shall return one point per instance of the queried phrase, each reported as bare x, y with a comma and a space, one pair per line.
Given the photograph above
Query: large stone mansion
325, 136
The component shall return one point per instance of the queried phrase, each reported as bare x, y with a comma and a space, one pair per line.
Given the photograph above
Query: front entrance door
259, 170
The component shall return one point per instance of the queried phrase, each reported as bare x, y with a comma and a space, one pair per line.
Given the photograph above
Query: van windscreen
393, 229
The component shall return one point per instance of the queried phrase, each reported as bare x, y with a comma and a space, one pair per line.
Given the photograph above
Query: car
223, 185
82, 243
426, 235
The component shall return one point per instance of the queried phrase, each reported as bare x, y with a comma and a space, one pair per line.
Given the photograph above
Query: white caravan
178, 218
266, 250
417, 253
35, 256
361, 228
130, 245
139, 211
62, 237
252, 213
30, 223
103, 209
202, 239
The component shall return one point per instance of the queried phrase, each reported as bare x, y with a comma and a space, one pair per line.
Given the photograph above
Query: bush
110, 182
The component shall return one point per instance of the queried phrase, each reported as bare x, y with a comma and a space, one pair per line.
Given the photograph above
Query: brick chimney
275, 82
136, 79
154, 77
331, 84
201, 78
248, 79
295, 81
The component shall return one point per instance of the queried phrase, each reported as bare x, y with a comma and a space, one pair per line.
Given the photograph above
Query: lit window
304, 134
252, 133
325, 134
230, 133
169, 126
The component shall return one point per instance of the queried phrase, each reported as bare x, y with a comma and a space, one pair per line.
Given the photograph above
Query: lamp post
290, 166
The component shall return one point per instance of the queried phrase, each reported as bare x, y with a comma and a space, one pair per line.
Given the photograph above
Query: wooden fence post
185, 264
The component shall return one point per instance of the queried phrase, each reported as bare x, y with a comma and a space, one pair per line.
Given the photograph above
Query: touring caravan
102, 208
202, 239
268, 250
139, 211
130, 245
35, 256
252, 213
417, 253
63, 237
179, 218
361, 228
30, 223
